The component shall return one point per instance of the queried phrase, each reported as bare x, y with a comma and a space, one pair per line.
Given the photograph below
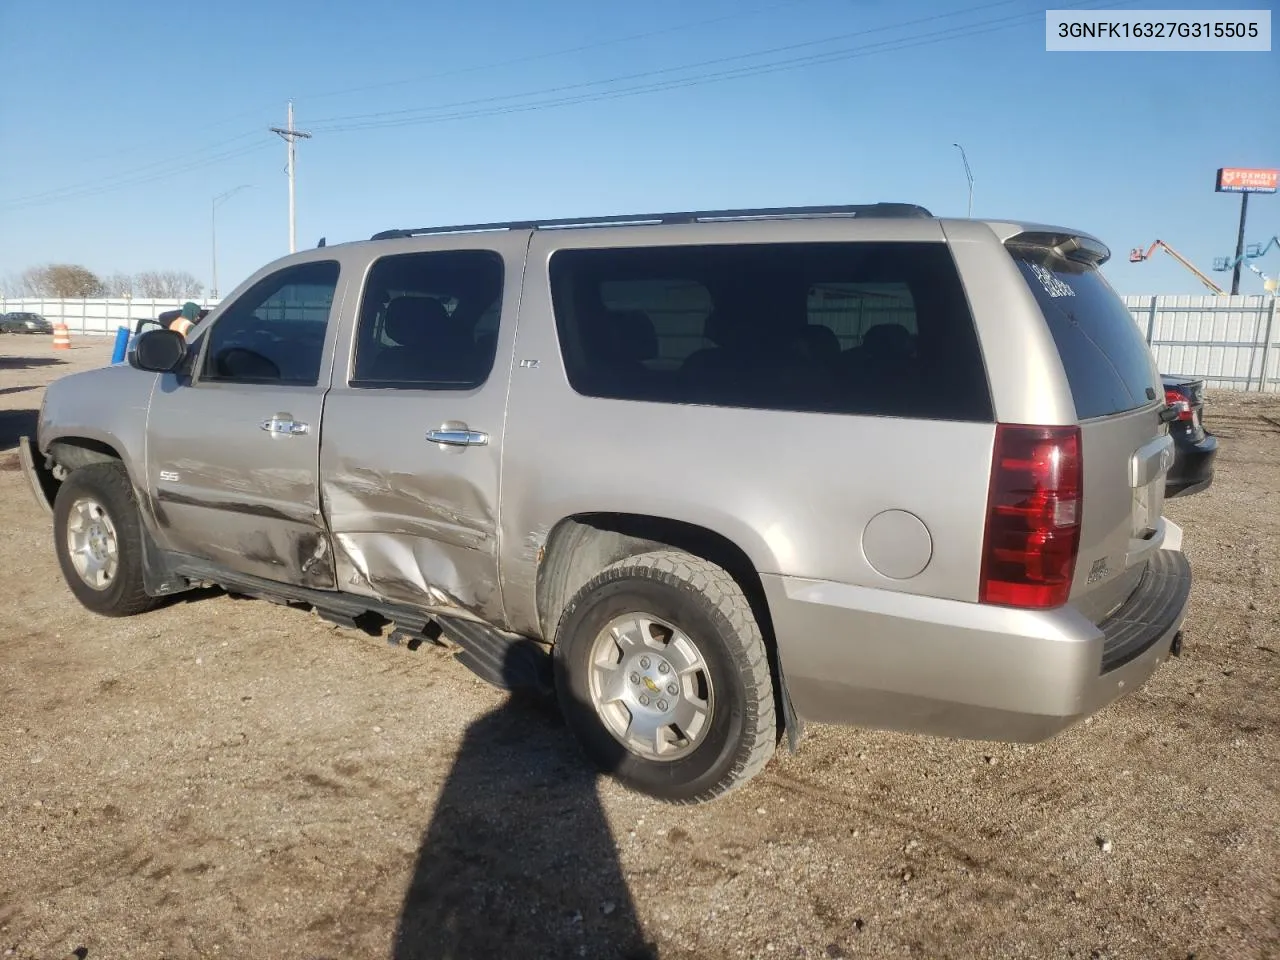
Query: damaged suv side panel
74, 423
415, 519
233, 441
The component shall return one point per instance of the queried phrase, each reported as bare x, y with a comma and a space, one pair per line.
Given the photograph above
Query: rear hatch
1125, 446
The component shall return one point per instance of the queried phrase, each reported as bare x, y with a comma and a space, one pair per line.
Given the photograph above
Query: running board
506, 660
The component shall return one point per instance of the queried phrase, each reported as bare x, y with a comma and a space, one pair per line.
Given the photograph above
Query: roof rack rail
862, 211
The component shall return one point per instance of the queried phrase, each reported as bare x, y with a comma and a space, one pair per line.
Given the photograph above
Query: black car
24, 323
1194, 447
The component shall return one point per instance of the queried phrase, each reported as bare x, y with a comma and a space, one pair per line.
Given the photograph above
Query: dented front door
233, 449
412, 448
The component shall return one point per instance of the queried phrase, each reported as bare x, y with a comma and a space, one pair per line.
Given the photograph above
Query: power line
135, 181
163, 169
108, 182
835, 38
550, 54
205, 128
105, 184
900, 43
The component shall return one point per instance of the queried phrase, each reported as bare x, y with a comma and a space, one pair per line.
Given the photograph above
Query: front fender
103, 409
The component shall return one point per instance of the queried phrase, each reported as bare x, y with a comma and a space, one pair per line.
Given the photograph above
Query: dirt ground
228, 778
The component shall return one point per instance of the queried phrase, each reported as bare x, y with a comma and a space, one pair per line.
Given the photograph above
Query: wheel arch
580, 546
72, 452
65, 454
69, 453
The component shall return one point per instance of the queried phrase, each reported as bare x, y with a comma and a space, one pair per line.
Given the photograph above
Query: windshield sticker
1052, 285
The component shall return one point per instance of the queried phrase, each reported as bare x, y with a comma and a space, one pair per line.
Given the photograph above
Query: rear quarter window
879, 329
1108, 365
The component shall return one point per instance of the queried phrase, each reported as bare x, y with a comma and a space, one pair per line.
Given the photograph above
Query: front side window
878, 328
275, 332
429, 321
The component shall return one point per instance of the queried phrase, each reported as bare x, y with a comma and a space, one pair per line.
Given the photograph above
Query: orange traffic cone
61, 337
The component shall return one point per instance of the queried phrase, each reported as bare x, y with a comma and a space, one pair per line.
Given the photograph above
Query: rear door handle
283, 425
458, 437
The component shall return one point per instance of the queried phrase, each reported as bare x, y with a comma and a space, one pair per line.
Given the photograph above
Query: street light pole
213, 233
968, 175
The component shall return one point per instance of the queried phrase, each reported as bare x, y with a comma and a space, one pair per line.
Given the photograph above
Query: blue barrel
122, 345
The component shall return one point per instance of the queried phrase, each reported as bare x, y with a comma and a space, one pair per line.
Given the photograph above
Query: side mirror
159, 351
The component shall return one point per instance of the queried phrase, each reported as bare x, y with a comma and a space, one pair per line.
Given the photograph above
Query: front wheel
98, 536
662, 674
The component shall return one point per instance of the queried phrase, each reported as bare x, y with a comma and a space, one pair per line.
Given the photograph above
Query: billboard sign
1246, 180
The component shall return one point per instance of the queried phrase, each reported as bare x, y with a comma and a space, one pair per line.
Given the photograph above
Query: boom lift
1136, 255
1254, 251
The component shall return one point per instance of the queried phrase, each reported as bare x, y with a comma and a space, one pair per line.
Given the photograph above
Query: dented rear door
412, 446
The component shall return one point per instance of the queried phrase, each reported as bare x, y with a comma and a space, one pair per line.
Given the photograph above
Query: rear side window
853, 328
429, 321
1106, 359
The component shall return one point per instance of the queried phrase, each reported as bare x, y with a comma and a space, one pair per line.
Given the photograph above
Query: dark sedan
24, 323
1194, 447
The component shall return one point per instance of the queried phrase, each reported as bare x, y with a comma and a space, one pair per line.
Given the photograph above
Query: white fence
100, 316
1232, 342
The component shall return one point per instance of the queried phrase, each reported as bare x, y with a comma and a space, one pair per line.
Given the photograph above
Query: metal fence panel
1225, 340
100, 316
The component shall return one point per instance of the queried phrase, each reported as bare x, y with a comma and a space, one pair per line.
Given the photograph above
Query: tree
167, 284
66, 280
117, 285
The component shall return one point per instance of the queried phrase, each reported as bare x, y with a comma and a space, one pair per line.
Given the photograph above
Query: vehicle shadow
15, 424
518, 860
8, 390
24, 363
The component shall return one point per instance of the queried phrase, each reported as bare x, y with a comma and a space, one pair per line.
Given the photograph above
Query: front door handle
283, 425
458, 437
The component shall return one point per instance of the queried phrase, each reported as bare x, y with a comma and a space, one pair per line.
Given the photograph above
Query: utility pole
968, 175
1235, 274
290, 137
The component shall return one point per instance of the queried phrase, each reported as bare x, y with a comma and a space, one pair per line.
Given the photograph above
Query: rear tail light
1033, 517
1178, 402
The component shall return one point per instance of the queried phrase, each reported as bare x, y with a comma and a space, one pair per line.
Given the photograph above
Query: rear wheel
662, 674
98, 537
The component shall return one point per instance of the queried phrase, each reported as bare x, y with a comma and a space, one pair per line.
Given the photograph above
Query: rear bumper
1192, 469
872, 658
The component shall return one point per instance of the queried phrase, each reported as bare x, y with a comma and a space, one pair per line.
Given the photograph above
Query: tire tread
110, 482
688, 571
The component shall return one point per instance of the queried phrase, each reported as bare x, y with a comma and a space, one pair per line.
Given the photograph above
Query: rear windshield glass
849, 328
1107, 362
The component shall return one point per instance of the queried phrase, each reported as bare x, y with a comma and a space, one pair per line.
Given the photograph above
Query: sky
120, 123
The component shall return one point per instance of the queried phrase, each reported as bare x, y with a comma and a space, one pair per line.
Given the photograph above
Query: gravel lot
231, 778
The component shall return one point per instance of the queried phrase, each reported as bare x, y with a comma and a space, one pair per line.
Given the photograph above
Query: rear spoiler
1070, 246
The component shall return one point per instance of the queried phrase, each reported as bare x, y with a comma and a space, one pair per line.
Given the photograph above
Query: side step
506, 660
